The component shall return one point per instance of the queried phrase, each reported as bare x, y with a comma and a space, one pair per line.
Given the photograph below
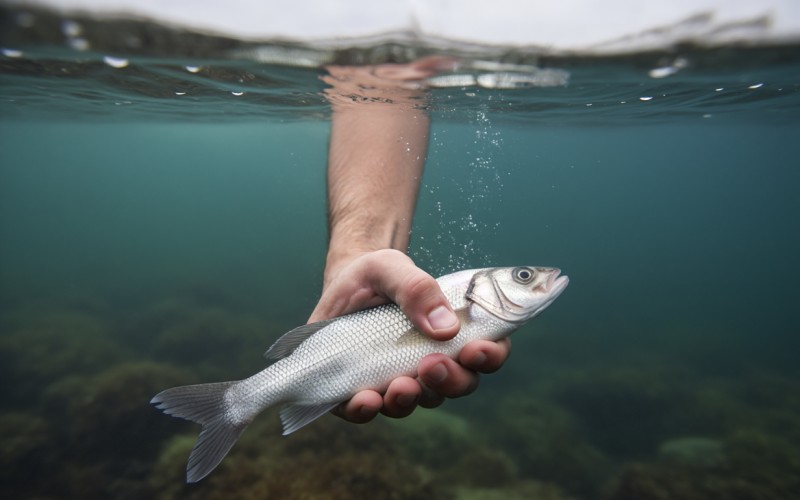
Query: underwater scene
163, 222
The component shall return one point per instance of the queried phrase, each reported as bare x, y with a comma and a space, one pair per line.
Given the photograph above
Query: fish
317, 366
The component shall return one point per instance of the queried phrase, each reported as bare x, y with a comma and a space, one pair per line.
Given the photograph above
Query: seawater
161, 226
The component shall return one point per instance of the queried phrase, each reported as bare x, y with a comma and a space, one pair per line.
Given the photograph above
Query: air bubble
12, 53
81, 44
670, 69
662, 72
71, 28
116, 62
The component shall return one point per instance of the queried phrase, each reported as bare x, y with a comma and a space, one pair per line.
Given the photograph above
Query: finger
429, 397
415, 291
447, 377
401, 397
485, 356
361, 408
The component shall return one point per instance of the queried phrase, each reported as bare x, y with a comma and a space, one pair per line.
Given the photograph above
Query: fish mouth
556, 283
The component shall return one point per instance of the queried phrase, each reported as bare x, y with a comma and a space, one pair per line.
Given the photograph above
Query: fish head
516, 294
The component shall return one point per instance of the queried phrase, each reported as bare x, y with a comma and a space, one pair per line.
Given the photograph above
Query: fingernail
441, 318
406, 400
436, 374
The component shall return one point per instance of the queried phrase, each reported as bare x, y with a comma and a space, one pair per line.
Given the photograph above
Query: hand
372, 278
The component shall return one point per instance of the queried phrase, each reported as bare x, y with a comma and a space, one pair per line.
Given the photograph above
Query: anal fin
293, 417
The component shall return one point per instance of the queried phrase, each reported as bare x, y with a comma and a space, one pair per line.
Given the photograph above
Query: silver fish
317, 366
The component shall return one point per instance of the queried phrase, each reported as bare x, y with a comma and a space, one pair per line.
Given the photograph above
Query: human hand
369, 279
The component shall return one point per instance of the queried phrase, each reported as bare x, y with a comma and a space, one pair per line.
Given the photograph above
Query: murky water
163, 221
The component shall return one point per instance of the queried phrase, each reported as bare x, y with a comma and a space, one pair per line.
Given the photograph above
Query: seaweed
24, 460
330, 459
45, 347
547, 445
78, 424
624, 412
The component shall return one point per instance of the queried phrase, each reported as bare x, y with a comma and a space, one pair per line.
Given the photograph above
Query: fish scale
316, 367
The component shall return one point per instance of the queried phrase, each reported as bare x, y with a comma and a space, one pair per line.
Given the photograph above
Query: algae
77, 423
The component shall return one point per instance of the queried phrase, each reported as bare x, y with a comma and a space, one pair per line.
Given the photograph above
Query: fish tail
205, 404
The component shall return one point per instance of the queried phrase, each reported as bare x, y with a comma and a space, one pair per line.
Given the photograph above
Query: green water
162, 242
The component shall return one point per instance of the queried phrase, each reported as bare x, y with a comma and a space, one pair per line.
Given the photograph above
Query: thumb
416, 292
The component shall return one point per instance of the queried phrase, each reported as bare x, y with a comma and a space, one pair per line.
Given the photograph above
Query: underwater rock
771, 402
486, 468
765, 389
765, 459
354, 474
147, 325
711, 410
25, 438
216, 343
434, 437
650, 482
51, 345
546, 444
168, 476
625, 412
104, 433
108, 416
163, 314
757, 466
522, 490
700, 452
331, 459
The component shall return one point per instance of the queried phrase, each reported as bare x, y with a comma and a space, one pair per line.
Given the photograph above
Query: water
159, 229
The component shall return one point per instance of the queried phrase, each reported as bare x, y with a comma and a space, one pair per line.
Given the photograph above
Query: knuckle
417, 288
470, 387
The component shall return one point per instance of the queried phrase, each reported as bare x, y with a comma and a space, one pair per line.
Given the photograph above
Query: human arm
378, 144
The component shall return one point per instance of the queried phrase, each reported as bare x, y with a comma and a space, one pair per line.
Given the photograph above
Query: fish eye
523, 275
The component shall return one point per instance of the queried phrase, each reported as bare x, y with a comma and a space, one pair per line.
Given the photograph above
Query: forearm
379, 139
375, 164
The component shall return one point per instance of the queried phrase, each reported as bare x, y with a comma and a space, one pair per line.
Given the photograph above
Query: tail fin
204, 404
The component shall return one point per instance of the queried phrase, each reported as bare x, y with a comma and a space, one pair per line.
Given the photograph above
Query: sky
568, 25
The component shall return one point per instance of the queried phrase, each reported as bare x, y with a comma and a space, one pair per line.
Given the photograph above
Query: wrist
338, 258
349, 242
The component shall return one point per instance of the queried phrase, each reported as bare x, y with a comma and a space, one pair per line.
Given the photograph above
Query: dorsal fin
289, 341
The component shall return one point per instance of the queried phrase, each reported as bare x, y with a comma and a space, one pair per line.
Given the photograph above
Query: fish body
315, 367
